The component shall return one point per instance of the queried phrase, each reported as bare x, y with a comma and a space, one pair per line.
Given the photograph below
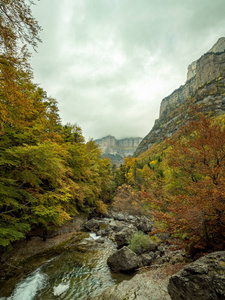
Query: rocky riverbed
155, 267
120, 228
148, 285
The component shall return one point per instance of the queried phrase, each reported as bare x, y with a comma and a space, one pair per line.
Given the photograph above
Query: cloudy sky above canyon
109, 63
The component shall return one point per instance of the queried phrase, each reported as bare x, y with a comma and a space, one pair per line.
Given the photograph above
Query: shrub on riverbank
141, 243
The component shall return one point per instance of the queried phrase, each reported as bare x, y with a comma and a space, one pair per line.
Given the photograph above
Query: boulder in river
203, 279
143, 224
123, 237
119, 216
123, 259
100, 240
117, 225
92, 225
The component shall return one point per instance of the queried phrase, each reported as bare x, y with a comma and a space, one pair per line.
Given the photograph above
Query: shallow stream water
72, 275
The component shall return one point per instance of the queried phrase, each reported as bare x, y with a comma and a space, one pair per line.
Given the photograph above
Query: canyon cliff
205, 87
116, 150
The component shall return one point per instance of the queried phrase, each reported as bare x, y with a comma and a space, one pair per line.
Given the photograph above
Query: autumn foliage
182, 181
48, 174
198, 163
126, 200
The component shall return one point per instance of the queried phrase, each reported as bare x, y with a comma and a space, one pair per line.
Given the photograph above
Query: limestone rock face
123, 260
209, 67
203, 279
191, 70
205, 87
219, 46
118, 149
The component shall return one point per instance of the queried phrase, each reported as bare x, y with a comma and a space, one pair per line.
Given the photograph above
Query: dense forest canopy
48, 173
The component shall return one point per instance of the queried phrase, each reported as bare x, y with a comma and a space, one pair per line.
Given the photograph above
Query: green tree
17, 25
47, 171
35, 189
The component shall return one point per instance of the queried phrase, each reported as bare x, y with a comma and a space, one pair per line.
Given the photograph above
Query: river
72, 275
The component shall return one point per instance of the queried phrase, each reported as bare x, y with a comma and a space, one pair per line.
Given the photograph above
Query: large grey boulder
119, 216
92, 225
117, 225
123, 237
123, 260
144, 224
203, 279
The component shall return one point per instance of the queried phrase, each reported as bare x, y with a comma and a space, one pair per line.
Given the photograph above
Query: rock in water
123, 260
144, 224
123, 237
92, 225
203, 279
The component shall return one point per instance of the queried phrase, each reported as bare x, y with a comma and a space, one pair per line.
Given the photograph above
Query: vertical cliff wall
205, 86
118, 149
208, 67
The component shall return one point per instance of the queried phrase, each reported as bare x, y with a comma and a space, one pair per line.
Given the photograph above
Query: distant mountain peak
115, 149
219, 46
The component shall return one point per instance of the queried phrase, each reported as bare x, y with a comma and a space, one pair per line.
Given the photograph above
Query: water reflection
73, 275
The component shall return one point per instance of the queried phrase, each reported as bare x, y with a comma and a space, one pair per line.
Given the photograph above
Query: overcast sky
109, 63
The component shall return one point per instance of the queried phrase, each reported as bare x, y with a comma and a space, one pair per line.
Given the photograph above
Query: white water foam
60, 289
28, 288
93, 235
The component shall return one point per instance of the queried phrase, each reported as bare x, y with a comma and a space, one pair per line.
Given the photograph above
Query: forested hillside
181, 181
48, 173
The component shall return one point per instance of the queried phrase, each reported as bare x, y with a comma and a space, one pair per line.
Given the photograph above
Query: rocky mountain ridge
217, 48
205, 86
115, 149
